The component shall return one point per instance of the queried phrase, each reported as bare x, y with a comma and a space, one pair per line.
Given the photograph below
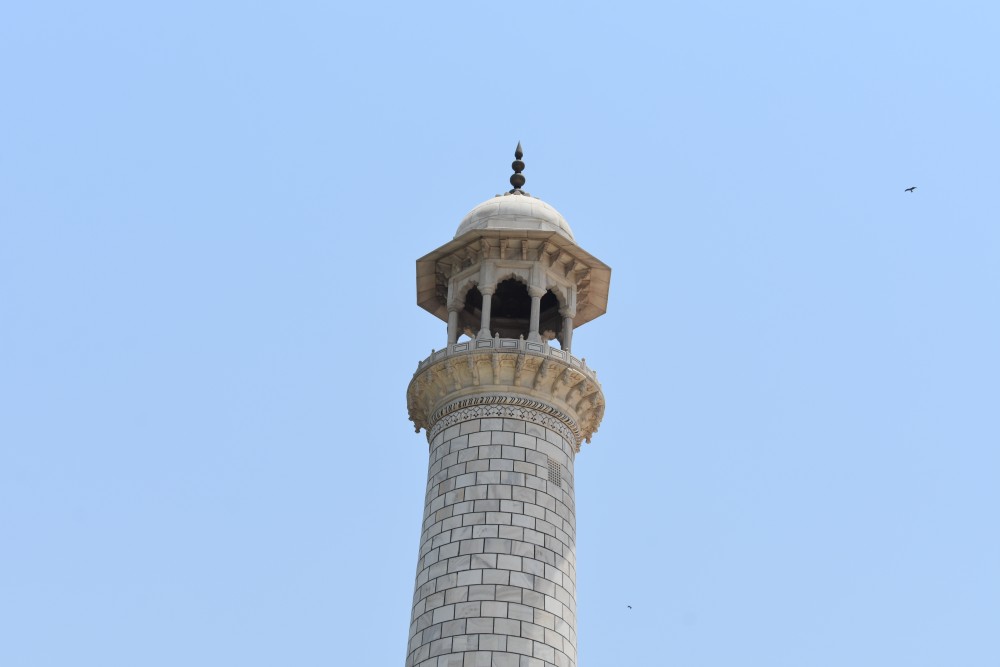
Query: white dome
514, 212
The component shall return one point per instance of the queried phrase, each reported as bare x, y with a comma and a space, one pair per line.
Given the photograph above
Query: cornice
564, 263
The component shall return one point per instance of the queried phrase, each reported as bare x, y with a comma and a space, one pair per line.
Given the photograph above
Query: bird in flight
910, 189
629, 606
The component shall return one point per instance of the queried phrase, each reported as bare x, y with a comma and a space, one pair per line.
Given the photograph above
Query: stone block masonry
496, 575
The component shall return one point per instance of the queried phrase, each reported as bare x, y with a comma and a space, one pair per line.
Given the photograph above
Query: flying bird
629, 606
910, 189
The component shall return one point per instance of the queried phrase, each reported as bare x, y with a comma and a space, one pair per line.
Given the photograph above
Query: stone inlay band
498, 405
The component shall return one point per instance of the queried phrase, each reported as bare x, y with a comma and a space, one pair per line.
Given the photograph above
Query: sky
209, 217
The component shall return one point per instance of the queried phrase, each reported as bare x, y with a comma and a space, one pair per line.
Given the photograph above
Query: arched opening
471, 314
549, 319
510, 314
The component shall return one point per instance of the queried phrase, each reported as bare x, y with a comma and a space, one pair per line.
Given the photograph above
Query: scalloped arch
521, 275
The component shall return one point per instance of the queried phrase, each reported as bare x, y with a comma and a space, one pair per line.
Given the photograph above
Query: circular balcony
508, 372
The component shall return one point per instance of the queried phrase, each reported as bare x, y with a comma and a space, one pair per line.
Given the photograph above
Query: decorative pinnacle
517, 178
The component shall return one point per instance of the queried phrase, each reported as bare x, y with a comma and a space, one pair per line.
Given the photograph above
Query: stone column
567, 329
484, 329
536, 294
453, 323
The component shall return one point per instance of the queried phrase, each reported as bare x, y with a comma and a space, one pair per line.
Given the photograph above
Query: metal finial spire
517, 178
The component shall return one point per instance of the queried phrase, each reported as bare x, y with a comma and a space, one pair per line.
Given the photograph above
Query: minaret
505, 413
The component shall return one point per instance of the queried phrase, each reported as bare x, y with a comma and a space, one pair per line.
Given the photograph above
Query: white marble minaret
505, 412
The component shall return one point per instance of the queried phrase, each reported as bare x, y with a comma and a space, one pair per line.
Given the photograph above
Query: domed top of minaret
515, 210
513, 242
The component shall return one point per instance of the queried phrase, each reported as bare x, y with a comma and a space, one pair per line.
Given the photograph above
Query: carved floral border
486, 406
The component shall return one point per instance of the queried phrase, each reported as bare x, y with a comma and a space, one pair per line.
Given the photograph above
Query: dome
515, 211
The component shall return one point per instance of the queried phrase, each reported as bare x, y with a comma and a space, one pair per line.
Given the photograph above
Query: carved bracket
517, 371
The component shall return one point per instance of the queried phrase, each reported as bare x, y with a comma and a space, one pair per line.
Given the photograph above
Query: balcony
514, 345
511, 371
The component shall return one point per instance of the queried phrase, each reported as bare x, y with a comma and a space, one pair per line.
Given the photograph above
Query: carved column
567, 328
484, 329
536, 294
453, 309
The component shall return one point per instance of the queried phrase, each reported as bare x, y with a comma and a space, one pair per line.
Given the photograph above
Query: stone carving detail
511, 407
511, 373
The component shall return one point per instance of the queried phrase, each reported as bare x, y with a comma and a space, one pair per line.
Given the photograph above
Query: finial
517, 178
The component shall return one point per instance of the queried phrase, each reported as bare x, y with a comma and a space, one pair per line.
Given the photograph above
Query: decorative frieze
501, 406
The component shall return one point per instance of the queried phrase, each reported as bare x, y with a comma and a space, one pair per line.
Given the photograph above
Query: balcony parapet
511, 372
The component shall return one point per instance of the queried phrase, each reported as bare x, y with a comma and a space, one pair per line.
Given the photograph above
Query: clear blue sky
209, 216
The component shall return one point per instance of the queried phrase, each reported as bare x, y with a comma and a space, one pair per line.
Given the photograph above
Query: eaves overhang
593, 276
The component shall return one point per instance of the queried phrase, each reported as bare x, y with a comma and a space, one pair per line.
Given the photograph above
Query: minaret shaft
496, 578
505, 417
